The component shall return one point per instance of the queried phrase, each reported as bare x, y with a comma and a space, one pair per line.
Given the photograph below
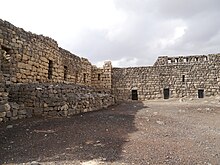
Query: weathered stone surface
80, 99
22, 112
14, 105
2, 114
182, 76
37, 77
8, 114
7, 107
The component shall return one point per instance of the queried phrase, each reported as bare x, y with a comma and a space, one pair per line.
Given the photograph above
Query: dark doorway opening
134, 95
166, 93
201, 93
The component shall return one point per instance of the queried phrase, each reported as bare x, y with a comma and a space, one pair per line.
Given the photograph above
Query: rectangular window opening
99, 77
50, 69
84, 78
65, 72
183, 78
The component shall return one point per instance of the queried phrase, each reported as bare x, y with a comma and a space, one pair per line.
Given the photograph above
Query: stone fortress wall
40, 78
170, 77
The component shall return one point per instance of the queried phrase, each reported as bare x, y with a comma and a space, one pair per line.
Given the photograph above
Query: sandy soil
151, 132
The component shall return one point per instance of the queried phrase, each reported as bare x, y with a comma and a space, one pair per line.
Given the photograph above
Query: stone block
2, 114
14, 105
8, 114
14, 112
21, 116
29, 112
22, 112
7, 107
38, 111
52, 113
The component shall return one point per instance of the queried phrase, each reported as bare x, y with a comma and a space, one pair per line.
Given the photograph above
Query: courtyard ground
150, 132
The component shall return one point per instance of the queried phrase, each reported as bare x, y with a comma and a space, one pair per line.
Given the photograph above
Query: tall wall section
35, 58
181, 76
4, 106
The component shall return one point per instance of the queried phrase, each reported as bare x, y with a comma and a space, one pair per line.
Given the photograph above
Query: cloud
127, 32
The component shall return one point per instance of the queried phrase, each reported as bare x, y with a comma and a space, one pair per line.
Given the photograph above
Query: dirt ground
151, 132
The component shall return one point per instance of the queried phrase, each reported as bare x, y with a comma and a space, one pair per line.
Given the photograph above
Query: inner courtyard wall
182, 77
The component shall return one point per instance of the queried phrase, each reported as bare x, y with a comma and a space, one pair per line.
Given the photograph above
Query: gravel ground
151, 132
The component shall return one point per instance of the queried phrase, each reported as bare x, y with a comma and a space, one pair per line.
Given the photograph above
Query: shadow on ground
95, 135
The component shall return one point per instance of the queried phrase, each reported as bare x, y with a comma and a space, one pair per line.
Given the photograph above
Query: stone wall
4, 106
183, 76
35, 58
39, 59
102, 77
40, 78
50, 99
142, 79
35, 72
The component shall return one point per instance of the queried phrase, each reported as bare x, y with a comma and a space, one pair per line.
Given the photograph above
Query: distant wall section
179, 76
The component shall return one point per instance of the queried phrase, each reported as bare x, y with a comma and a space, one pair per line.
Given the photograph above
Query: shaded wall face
50, 99
35, 58
4, 105
180, 80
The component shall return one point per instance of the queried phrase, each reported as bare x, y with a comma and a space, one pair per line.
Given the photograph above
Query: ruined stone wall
142, 79
183, 76
32, 58
40, 78
4, 106
102, 77
35, 58
57, 99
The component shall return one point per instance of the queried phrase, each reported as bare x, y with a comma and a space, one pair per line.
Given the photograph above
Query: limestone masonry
40, 78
